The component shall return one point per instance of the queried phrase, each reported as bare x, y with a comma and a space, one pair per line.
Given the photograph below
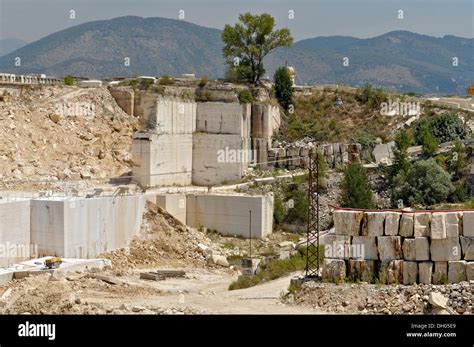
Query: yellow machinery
53, 263
470, 89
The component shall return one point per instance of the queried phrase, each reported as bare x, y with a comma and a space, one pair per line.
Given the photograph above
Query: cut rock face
348, 222
422, 224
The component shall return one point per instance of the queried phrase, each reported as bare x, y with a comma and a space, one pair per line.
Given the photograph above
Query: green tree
429, 142
278, 210
69, 80
356, 190
250, 41
425, 183
283, 87
401, 162
457, 162
445, 127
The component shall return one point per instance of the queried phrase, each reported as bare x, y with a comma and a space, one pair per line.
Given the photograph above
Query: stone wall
335, 154
401, 247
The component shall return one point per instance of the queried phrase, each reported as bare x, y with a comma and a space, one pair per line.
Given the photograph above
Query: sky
30, 20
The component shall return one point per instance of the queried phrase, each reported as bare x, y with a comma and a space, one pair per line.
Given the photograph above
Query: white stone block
453, 224
410, 272
392, 221
422, 248
364, 248
373, 224
348, 222
337, 246
389, 247
467, 245
438, 226
362, 269
334, 270
408, 248
468, 224
440, 275
425, 271
457, 271
406, 225
470, 271
445, 250
391, 272
422, 224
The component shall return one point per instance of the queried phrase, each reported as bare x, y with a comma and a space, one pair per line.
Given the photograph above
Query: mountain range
400, 60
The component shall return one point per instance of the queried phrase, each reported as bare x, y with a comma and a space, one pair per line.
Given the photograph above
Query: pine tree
356, 190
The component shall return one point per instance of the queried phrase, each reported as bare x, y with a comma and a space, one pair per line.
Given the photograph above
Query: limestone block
422, 224
362, 269
467, 246
457, 271
468, 224
392, 220
422, 248
440, 275
391, 272
425, 271
408, 248
410, 272
336, 148
470, 271
364, 248
348, 222
438, 226
447, 249
390, 247
337, 246
453, 224
328, 150
334, 270
406, 225
373, 224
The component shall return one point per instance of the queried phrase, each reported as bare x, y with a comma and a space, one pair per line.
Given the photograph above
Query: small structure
90, 84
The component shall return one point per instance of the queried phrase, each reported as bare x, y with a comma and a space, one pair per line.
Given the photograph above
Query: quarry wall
401, 247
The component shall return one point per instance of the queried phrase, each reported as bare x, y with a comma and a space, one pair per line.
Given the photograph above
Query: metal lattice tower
312, 235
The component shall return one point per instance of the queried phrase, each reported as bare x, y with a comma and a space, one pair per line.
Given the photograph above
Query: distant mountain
156, 46
10, 45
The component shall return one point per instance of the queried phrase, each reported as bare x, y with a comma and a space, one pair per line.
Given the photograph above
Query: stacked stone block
401, 247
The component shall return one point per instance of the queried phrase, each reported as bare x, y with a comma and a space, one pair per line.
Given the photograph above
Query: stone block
337, 246
410, 272
391, 272
447, 249
453, 224
362, 270
470, 271
334, 270
425, 271
373, 224
364, 248
389, 247
348, 222
468, 224
406, 225
457, 271
422, 248
440, 274
467, 246
438, 226
408, 248
392, 221
422, 224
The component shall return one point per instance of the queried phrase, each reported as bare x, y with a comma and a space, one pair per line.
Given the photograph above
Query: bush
370, 96
356, 190
401, 162
278, 210
166, 80
299, 212
445, 127
245, 97
283, 87
204, 80
425, 183
429, 142
367, 140
69, 80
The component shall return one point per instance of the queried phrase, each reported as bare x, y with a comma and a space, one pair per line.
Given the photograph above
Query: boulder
468, 224
337, 246
422, 224
348, 222
425, 270
422, 248
373, 224
440, 274
364, 248
410, 272
467, 246
470, 271
438, 300
453, 224
406, 225
389, 247
219, 260
438, 226
457, 271
392, 221
334, 270
447, 249
408, 248
362, 269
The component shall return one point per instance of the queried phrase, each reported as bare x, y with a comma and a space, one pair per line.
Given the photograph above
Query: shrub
69, 80
401, 162
370, 96
278, 210
367, 140
166, 80
429, 142
299, 212
204, 80
356, 190
245, 97
445, 127
425, 183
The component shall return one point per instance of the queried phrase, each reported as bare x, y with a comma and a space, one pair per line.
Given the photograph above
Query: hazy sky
31, 20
